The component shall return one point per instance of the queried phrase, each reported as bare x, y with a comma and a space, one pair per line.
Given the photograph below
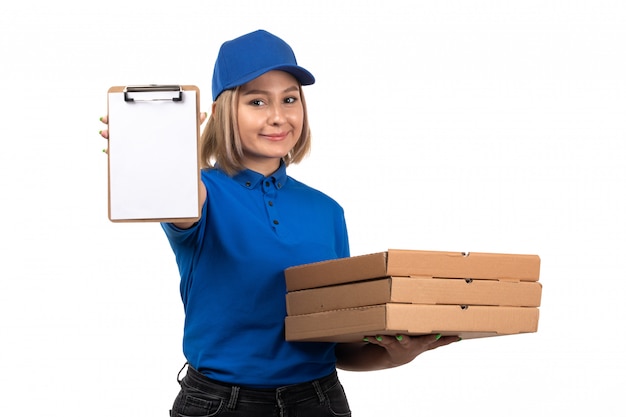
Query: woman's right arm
187, 225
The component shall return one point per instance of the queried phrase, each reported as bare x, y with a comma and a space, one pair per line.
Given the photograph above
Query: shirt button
267, 183
270, 203
248, 183
275, 222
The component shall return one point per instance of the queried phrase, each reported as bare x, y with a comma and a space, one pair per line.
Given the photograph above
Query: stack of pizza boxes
413, 292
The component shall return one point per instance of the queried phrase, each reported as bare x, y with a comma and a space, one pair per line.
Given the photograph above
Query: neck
266, 168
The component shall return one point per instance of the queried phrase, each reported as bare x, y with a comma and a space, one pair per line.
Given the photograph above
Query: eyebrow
254, 92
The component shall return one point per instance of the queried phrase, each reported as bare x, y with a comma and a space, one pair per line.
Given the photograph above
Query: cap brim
303, 76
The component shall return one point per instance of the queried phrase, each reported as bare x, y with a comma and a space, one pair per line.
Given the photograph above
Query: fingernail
438, 336
460, 338
399, 337
104, 150
100, 118
365, 339
379, 338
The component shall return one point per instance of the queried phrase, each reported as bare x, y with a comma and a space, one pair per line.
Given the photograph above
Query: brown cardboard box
414, 291
351, 325
396, 262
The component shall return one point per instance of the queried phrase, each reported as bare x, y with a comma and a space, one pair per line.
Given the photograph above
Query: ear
213, 108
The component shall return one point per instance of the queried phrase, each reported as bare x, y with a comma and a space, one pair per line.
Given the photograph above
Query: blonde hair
220, 143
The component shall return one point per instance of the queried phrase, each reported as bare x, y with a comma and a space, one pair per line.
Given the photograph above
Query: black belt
289, 394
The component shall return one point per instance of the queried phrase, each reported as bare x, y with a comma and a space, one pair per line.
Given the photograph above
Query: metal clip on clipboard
172, 92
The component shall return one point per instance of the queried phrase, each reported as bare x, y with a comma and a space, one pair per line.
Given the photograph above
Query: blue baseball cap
244, 58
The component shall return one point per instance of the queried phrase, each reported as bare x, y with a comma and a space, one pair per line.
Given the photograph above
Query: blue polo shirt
232, 284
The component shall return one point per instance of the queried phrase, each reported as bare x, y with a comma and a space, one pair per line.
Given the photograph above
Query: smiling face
270, 116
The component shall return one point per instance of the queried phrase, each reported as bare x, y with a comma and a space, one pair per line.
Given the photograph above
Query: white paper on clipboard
153, 153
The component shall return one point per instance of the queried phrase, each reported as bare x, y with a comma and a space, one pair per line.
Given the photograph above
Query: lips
275, 136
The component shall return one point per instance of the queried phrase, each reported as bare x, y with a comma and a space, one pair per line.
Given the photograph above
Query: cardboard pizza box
413, 263
352, 325
415, 291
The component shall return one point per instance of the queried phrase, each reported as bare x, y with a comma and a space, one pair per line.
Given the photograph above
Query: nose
276, 114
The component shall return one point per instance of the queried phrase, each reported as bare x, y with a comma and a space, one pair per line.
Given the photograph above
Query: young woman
256, 221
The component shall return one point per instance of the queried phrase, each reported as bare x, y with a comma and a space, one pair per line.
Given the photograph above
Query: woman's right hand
105, 132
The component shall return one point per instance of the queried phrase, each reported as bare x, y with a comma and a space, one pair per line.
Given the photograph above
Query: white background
486, 126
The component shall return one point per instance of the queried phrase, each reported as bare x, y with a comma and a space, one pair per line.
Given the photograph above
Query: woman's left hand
382, 352
402, 349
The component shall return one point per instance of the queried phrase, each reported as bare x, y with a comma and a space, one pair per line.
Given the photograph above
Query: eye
291, 100
257, 102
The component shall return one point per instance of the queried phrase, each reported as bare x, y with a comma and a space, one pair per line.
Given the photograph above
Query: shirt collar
251, 179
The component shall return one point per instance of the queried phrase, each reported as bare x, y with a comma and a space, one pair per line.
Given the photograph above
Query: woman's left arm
383, 352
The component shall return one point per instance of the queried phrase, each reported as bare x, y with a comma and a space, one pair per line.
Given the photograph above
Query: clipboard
153, 155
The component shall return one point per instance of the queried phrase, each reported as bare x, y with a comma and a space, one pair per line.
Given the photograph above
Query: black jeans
202, 397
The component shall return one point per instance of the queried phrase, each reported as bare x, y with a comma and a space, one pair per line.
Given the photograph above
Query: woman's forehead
274, 80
